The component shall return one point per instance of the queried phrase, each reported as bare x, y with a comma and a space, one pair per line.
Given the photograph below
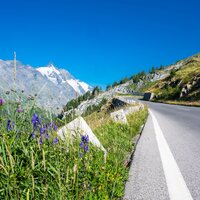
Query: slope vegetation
182, 84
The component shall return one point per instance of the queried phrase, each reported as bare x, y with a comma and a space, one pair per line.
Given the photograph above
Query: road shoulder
146, 176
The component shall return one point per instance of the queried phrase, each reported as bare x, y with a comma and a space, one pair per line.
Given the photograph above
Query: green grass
33, 170
146, 86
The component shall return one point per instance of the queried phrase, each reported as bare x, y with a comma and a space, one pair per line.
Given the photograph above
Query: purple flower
45, 126
46, 136
40, 139
19, 110
9, 127
1, 102
81, 145
35, 121
42, 130
84, 143
33, 135
55, 128
51, 125
86, 148
55, 140
85, 138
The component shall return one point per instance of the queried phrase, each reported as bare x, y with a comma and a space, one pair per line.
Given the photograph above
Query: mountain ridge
53, 87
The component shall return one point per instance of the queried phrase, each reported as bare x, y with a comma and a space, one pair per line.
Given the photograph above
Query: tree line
74, 103
136, 77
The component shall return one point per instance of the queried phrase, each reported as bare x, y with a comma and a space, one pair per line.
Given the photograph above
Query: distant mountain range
52, 87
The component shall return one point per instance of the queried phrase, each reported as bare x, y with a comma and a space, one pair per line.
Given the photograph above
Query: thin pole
15, 66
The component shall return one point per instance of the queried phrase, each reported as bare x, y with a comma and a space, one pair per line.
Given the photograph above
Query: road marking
177, 187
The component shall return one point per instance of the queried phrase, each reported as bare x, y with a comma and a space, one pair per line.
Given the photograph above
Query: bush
170, 93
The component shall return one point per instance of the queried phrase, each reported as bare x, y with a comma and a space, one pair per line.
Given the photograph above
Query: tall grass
34, 165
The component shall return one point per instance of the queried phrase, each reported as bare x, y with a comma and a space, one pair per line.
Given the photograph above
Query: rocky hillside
50, 86
176, 82
182, 83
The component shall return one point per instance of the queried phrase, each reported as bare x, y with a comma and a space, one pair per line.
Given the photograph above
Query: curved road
166, 164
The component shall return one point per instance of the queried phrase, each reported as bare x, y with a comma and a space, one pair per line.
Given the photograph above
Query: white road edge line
177, 187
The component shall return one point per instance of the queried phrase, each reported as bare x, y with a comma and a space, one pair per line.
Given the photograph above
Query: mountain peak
51, 65
58, 77
55, 83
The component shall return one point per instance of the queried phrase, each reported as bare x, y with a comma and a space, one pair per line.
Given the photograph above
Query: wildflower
86, 148
84, 143
35, 121
55, 140
19, 110
45, 126
51, 125
1, 102
46, 136
85, 138
55, 128
40, 139
81, 145
42, 130
33, 135
9, 127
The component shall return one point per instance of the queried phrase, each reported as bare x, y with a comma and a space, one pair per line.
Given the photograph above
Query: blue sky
99, 41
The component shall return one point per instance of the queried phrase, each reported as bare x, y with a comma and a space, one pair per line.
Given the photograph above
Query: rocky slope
51, 87
182, 83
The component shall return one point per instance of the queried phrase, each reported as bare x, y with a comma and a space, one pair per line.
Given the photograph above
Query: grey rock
78, 128
119, 116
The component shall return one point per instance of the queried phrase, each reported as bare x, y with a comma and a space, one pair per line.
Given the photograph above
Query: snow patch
56, 76
75, 84
85, 86
50, 72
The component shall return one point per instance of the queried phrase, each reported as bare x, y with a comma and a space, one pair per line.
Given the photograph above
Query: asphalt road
166, 163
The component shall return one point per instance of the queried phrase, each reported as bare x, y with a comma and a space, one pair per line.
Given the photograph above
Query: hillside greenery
182, 84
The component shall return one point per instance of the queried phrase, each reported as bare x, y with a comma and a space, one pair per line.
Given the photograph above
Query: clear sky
99, 41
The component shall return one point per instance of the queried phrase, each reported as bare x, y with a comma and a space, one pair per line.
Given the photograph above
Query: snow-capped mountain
53, 87
61, 76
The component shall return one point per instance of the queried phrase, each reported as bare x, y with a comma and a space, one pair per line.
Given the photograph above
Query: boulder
119, 116
183, 92
79, 127
189, 87
148, 96
132, 109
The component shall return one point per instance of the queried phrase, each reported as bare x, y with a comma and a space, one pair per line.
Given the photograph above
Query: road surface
166, 164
